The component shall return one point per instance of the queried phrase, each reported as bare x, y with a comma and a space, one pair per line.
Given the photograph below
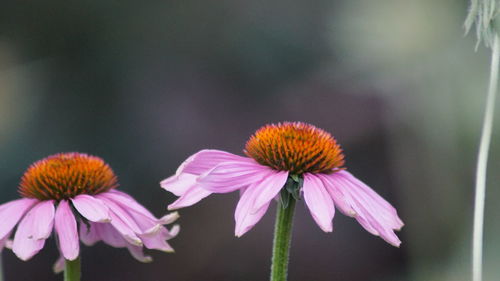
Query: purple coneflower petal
58, 266
32, 231
12, 212
192, 196
373, 213
110, 235
157, 241
268, 188
244, 215
91, 208
206, 159
369, 196
138, 253
318, 201
184, 183
169, 218
340, 200
122, 221
44, 219
230, 176
146, 222
65, 225
179, 184
88, 234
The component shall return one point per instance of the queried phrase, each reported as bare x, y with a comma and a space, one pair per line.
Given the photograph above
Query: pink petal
174, 230
268, 188
318, 201
142, 218
205, 160
375, 214
89, 236
372, 198
43, 215
244, 215
230, 176
342, 201
126, 200
67, 231
157, 241
169, 218
192, 196
122, 221
178, 184
138, 253
110, 235
91, 208
58, 266
11, 212
25, 244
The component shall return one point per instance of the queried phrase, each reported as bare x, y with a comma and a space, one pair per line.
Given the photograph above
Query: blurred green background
146, 84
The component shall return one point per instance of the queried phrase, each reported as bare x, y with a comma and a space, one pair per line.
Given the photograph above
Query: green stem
72, 270
282, 237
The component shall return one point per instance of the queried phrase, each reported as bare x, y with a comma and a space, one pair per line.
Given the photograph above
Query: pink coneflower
286, 161
75, 195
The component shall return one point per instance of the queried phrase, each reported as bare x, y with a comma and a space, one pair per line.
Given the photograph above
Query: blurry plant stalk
483, 14
72, 270
289, 194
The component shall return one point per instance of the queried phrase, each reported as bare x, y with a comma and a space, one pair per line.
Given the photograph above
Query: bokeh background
146, 84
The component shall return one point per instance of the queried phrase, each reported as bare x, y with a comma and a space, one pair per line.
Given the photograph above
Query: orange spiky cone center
295, 147
66, 175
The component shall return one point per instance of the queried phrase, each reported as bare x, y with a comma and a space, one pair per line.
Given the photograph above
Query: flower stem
282, 238
482, 162
72, 270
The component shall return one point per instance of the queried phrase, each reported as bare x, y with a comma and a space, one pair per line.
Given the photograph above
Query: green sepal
291, 189
284, 198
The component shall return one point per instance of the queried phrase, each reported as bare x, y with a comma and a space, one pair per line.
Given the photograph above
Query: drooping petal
342, 201
192, 196
91, 208
169, 218
268, 188
318, 201
89, 234
375, 214
43, 214
126, 200
138, 253
65, 225
178, 184
25, 245
58, 266
207, 159
230, 176
174, 230
158, 240
11, 212
142, 218
122, 222
373, 199
110, 235
244, 216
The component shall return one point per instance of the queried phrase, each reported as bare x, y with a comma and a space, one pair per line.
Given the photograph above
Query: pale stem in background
477, 243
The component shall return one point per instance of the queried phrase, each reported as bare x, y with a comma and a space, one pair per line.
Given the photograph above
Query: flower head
75, 194
277, 154
295, 147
